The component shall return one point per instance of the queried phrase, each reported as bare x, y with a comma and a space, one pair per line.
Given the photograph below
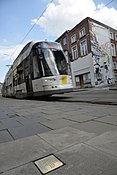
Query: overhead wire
38, 21
32, 27
108, 3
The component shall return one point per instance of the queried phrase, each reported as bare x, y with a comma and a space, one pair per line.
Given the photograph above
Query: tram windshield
54, 60
50, 65
61, 62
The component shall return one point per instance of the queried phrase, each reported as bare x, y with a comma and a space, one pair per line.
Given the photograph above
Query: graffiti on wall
101, 54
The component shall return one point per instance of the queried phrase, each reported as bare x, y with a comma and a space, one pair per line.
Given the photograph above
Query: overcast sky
18, 16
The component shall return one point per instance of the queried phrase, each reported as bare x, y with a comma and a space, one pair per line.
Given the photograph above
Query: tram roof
27, 48
24, 53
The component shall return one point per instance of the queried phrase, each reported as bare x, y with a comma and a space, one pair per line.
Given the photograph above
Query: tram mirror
34, 52
70, 57
39, 51
40, 56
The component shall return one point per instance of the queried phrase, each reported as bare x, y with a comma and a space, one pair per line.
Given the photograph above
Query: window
115, 37
114, 65
115, 78
87, 78
77, 80
36, 72
82, 32
111, 35
74, 53
20, 73
83, 48
73, 38
64, 41
113, 49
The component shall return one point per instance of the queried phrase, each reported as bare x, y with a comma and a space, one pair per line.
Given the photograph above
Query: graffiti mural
101, 54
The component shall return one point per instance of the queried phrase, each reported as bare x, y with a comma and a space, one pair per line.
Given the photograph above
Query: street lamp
5, 54
8, 65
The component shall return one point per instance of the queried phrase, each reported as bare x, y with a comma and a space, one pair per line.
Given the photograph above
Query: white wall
83, 65
102, 57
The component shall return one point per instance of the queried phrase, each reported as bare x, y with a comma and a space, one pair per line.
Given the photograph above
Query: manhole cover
48, 164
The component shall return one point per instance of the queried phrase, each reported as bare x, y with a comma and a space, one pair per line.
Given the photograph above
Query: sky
48, 20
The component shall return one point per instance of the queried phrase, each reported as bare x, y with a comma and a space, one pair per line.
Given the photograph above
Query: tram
40, 69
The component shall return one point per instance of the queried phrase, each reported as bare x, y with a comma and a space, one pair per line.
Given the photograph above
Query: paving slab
28, 169
66, 137
106, 142
55, 116
26, 121
74, 112
80, 118
50, 111
2, 127
3, 115
94, 127
108, 119
10, 123
34, 115
115, 114
69, 108
5, 136
98, 113
36, 119
19, 152
84, 160
58, 123
28, 130
89, 112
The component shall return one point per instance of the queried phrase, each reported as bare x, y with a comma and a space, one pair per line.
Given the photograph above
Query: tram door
27, 76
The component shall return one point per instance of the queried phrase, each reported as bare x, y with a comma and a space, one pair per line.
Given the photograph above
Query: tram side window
15, 77
61, 62
36, 72
20, 73
15, 80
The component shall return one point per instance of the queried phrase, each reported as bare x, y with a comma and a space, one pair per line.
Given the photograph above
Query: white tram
40, 69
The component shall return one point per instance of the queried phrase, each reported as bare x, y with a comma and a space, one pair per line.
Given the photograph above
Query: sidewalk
81, 152
84, 142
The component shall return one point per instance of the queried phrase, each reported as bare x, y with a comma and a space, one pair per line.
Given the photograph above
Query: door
29, 88
27, 76
81, 81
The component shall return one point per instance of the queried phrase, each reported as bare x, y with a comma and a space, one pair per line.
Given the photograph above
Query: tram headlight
50, 79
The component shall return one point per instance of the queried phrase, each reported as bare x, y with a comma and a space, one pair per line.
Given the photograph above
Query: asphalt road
94, 96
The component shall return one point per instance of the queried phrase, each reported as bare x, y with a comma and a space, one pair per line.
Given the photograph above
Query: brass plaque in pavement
48, 164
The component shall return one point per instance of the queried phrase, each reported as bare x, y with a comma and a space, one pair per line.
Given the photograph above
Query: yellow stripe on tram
64, 79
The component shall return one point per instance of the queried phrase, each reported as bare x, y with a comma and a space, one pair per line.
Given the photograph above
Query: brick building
94, 52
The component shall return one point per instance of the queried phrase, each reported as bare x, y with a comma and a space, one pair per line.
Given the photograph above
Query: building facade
93, 46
